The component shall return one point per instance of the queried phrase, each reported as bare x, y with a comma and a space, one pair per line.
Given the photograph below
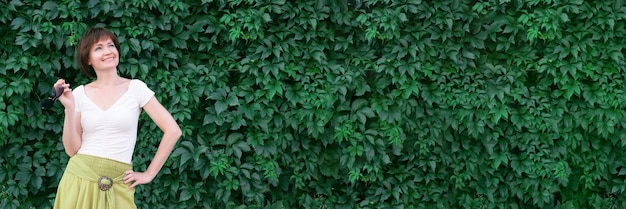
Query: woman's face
104, 55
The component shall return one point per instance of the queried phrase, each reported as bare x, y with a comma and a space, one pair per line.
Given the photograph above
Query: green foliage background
339, 103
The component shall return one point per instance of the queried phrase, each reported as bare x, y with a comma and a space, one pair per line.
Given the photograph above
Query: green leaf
17, 23
499, 159
403, 17
185, 195
220, 106
501, 111
50, 5
354, 176
371, 33
135, 45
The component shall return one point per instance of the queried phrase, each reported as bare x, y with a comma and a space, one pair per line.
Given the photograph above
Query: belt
79, 165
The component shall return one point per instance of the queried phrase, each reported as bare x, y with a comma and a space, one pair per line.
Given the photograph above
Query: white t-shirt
112, 133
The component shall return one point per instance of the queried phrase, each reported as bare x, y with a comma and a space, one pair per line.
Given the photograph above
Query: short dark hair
92, 36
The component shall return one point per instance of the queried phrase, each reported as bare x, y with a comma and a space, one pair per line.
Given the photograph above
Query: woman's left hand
136, 178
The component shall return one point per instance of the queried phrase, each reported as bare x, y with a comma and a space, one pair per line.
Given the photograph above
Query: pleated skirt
94, 183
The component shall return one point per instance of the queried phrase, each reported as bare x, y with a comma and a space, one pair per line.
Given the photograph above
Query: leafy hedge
339, 103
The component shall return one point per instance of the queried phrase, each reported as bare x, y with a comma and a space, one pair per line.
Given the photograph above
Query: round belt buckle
105, 183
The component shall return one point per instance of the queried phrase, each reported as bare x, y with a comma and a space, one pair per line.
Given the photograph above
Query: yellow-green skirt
95, 183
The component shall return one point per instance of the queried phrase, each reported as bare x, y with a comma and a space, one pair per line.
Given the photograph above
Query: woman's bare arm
171, 134
72, 129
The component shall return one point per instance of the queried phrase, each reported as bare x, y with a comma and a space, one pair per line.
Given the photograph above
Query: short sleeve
142, 92
78, 94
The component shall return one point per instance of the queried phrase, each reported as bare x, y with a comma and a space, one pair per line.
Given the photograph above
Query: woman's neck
107, 79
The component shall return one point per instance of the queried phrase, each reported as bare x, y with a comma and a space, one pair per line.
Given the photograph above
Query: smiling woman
104, 55
100, 129
91, 47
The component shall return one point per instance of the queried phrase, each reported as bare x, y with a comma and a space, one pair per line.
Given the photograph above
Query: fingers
66, 88
131, 176
136, 178
59, 82
133, 185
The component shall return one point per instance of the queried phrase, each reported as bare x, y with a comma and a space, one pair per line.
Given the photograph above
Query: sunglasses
48, 102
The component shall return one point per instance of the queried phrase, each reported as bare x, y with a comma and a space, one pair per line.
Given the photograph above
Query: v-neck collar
114, 103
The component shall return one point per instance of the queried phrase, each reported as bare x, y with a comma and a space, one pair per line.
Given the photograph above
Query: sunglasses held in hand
48, 102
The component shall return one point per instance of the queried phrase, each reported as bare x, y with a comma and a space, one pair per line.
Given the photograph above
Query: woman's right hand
66, 98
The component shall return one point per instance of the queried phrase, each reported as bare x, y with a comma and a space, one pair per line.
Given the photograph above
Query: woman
100, 129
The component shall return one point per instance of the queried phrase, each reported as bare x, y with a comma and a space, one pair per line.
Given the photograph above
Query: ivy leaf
220, 106
17, 23
499, 159
354, 176
185, 195
501, 111
403, 17
371, 33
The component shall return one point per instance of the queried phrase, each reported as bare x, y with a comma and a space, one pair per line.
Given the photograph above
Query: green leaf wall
339, 103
